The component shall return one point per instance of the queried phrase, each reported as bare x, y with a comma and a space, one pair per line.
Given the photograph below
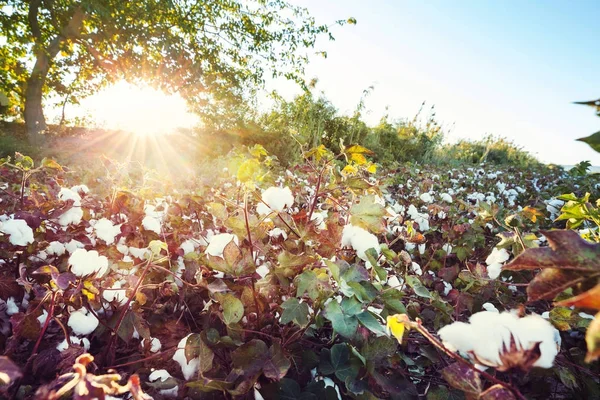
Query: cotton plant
495, 261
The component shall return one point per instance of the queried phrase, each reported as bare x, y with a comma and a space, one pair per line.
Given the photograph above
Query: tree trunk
34, 110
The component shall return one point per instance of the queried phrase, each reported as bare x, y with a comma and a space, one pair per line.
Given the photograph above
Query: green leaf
307, 282
417, 286
369, 321
351, 306
379, 348
156, 246
295, 311
368, 214
343, 365
343, 324
233, 309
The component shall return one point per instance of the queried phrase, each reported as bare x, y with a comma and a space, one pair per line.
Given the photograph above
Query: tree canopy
211, 52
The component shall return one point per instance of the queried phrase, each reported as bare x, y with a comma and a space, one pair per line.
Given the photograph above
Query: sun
142, 110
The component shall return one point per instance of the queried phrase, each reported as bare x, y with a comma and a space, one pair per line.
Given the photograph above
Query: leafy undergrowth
327, 280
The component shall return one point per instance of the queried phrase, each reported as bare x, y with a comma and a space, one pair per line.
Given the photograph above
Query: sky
509, 68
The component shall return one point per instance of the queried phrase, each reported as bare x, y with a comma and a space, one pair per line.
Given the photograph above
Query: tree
212, 52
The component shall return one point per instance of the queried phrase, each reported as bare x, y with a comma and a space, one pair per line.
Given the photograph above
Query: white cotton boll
422, 248
277, 232
187, 246
447, 288
56, 248
409, 246
82, 322
218, 243
263, 270
416, 268
278, 198
155, 344
442, 215
395, 282
426, 197
501, 186
263, 209
494, 270
163, 375
447, 248
75, 341
67, 194
20, 233
421, 219
190, 368
489, 307
115, 293
42, 318
85, 263
586, 315
319, 218
73, 215
73, 245
360, 240
106, 231
534, 329
141, 253
11, 306
458, 336
151, 224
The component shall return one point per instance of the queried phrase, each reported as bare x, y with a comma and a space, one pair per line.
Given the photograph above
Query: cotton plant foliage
323, 280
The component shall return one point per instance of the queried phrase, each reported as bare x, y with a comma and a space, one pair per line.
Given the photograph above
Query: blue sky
509, 68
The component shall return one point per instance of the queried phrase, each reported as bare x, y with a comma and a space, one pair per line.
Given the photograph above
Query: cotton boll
489, 307
187, 246
217, 244
11, 306
495, 260
446, 197
458, 336
115, 293
151, 224
85, 263
447, 288
55, 248
416, 268
82, 322
42, 318
66, 194
360, 240
73, 215
422, 248
80, 189
155, 344
426, 197
141, 253
494, 270
20, 233
73, 245
106, 231
447, 248
319, 218
163, 375
395, 283
83, 342
277, 232
263, 209
278, 198
263, 270
190, 368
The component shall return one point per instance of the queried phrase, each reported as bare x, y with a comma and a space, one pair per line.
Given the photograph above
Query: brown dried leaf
551, 282
592, 338
566, 251
461, 377
497, 392
589, 299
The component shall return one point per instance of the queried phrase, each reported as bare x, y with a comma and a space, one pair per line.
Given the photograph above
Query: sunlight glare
138, 109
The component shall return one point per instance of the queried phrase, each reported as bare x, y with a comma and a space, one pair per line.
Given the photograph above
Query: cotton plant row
291, 253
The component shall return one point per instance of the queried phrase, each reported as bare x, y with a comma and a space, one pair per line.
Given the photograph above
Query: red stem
46, 323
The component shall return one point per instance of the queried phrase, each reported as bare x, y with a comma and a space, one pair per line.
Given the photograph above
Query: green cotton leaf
345, 325
51, 164
294, 311
196, 348
372, 256
23, 162
233, 309
344, 366
307, 282
351, 306
417, 286
379, 348
368, 320
368, 214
